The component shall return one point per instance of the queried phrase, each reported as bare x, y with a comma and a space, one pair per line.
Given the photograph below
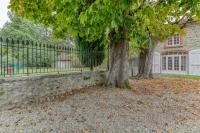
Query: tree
116, 21
145, 47
146, 62
91, 54
19, 28
22, 29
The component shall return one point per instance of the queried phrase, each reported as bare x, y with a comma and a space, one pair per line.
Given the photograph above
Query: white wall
194, 62
156, 62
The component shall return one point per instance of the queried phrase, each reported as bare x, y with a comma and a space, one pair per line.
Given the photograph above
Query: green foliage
109, 19
8, 60
22, 29
37, 59
9, 56
91, 54
14, 56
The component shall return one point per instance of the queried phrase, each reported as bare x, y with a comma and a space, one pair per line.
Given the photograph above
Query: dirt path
152, 106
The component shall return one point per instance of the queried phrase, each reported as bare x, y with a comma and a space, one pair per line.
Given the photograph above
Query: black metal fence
19, 57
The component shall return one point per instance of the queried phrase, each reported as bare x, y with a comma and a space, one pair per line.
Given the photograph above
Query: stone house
180, 54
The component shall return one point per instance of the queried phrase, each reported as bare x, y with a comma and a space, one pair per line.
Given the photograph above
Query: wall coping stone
39, 77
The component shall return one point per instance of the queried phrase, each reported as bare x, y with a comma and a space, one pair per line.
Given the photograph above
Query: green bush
37, 58
91, 54
32, 57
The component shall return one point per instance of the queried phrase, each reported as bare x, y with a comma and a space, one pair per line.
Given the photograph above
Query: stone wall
25, 89
192, 37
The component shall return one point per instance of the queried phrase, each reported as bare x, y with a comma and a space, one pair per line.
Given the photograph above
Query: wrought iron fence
19, 57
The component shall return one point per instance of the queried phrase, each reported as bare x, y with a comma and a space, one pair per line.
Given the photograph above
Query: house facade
180, 54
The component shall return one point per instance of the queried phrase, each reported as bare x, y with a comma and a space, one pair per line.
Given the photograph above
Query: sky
3, 12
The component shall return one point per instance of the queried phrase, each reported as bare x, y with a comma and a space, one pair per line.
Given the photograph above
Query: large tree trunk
118, 65
146, 62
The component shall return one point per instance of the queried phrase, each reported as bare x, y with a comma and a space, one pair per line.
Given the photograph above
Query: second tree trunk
145, 64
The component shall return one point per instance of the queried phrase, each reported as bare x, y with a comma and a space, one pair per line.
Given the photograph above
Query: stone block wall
20, 89
192, 37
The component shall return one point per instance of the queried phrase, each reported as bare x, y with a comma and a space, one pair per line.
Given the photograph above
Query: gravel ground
108, 110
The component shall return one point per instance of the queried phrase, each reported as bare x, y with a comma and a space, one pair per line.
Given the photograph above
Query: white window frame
173, 71
172, 65
164, 66
178, 65
172, 40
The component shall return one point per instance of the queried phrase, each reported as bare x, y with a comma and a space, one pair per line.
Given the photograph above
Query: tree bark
146, 62
118, 64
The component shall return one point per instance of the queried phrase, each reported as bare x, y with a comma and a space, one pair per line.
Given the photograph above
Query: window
169, 63
170, 42
176, 63
164, 63
174, 41
183, 63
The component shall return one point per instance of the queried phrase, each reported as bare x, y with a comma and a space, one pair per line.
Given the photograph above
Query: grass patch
181, 76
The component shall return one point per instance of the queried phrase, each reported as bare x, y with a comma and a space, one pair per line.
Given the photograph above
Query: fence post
32, 50
40, 57
91, 58
54, 60
7, 58
48, 64
13, 57
23, 55
18, 57
1, 56
27, 46
36, 56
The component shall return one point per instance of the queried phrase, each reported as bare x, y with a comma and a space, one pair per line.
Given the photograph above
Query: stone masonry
25, 89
